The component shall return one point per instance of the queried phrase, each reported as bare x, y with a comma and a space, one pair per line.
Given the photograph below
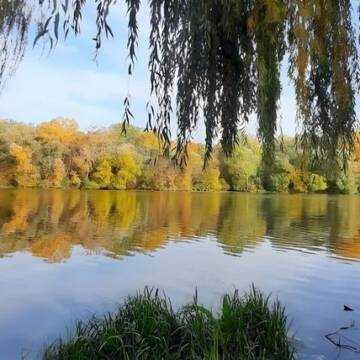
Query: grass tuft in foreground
147, 328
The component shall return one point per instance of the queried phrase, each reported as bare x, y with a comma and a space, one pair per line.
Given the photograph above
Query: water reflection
50, 223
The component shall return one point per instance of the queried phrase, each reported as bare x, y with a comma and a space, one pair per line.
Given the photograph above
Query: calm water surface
65, 255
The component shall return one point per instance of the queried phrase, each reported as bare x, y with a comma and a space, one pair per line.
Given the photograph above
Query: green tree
317, 183
241, 168
346, 182
280, 177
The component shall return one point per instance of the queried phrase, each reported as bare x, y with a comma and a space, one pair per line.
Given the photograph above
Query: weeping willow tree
324, 67
219, 62
268, 26
14, 25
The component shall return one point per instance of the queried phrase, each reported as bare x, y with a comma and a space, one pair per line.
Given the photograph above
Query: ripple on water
64, 254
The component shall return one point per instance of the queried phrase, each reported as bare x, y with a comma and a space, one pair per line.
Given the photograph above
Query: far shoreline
263, 192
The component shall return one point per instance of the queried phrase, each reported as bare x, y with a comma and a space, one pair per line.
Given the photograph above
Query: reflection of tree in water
295, 220
21, 206
53, 247
344, 216
176, 216
307, 222
50, 223
241, 223
18, 213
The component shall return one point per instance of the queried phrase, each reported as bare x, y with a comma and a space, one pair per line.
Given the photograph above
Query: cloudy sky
68, 82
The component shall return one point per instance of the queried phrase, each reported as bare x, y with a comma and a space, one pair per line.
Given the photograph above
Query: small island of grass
147, 327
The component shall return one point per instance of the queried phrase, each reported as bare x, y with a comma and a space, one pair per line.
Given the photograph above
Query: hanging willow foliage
324, 66
219, 61
14, 24
268, 25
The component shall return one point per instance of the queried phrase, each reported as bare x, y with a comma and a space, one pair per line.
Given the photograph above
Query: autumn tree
195, 161
58, 173
126, 168
211, 179
84, 153
20, 134
26, 174
61, 130
149, 143
159, 175
191, 172
103, 176
183, 180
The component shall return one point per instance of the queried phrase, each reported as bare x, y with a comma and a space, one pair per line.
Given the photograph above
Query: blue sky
68, 82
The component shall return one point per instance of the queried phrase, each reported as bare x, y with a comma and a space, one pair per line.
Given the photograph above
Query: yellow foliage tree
164, 174
148, 141
74, 179
210, 179
103, 175
61, 130
128, 168
183, 180
59, 173
297, 183
26, 174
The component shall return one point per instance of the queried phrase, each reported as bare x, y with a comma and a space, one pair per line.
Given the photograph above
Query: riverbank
259, 192
147, 327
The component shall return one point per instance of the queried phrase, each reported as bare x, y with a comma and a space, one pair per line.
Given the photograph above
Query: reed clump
146, 327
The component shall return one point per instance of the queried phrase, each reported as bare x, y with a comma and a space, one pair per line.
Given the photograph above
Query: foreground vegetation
146, 327
56, 154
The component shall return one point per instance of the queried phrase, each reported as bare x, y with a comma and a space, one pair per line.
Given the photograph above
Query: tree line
56, 154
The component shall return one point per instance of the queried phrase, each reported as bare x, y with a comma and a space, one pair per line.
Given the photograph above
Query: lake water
65, 255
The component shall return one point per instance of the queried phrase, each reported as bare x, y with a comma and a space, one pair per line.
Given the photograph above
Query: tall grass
146, 327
